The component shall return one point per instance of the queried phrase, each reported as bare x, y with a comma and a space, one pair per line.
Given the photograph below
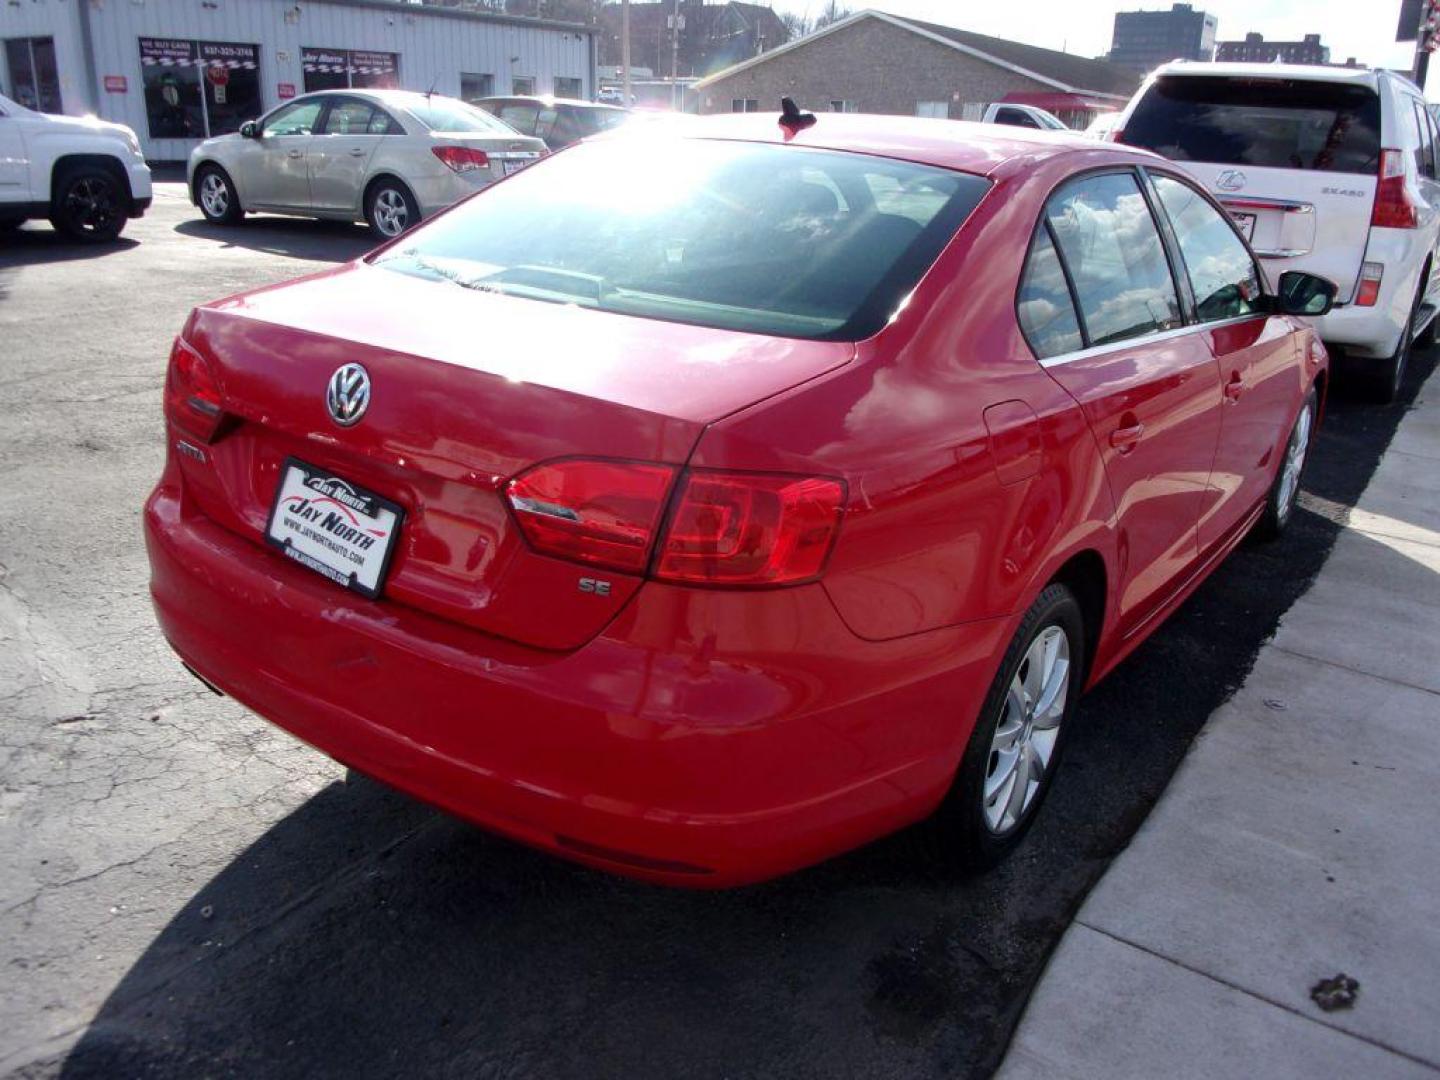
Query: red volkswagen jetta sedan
700, 504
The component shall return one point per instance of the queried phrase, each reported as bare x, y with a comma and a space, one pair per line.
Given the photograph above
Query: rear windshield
1281, 123
742, 236
447, 114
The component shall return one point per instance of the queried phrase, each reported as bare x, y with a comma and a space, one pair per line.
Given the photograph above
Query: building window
340, 69
843, 106
744, 104
565, 87
934, 109
195, 89
34, 78
522, 84
474, 87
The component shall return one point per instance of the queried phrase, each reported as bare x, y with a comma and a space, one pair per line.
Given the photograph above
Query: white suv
1329, 170
86, 175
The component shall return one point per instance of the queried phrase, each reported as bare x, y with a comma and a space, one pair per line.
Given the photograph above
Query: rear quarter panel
948, 521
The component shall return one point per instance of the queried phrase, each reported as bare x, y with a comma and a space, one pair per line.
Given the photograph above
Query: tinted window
1015, 118
1112, 249
1047, 314
1222, 273
1282, 123
297, 119
727, 234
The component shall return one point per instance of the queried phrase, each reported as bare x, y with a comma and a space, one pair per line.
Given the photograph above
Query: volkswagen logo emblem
348, 395
1230, 180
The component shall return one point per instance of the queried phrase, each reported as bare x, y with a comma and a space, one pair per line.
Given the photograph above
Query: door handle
357, 152
297, 153
1125, 438
1235, 387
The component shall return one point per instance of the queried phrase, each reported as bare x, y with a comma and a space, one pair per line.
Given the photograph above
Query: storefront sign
285, 90
166, 52
116, 84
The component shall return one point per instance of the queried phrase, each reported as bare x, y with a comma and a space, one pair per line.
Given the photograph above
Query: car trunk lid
468, 389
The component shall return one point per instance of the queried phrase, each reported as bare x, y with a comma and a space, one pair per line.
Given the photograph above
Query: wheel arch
211, 163
1085, 574
67, 163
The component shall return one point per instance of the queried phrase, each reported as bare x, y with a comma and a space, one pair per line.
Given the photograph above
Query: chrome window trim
1144, 340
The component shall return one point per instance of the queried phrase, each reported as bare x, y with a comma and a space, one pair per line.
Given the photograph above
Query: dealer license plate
1246, 224
334, 527
511, 165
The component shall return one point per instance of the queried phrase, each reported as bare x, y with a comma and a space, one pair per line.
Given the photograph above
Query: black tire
1281, 500
1382, 382
967, 838
388, 204
216, 196
91, 205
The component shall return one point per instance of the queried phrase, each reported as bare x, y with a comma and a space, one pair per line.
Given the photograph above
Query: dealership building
178, 71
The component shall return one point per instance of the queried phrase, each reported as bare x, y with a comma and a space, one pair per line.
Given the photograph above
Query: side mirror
1305, 294
250, 130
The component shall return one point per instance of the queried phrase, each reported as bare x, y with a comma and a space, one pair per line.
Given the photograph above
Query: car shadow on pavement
33, 245
366, 935
295, 238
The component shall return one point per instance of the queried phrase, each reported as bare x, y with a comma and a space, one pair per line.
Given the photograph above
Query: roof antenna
792, 119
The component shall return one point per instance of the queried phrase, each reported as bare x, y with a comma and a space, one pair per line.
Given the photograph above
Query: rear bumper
1374, 332
704, 739
435, 192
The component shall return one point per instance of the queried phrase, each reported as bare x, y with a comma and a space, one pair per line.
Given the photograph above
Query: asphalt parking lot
186, 891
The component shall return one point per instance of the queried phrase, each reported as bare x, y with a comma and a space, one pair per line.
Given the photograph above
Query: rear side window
1275, 123
1112, 249
1222, 274
1047, 314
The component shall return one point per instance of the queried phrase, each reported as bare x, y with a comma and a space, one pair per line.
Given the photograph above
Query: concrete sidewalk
1299, 839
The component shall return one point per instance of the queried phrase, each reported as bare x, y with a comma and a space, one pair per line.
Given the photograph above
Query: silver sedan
387, 157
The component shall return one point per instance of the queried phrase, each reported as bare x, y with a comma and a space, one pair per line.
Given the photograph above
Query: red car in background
699, 504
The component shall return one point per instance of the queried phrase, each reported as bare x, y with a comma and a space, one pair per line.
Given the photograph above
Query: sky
1364, 29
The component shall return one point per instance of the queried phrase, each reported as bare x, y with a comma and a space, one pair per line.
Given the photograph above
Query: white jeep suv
86, 175
1329, 170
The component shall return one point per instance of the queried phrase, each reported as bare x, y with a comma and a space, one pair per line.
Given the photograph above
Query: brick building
1257, 50
875, 62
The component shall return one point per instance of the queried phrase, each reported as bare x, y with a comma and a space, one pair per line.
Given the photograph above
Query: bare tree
832, 12
796, 25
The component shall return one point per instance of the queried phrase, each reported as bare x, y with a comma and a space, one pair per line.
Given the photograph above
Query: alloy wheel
90, 204
1023, 746
1294, 464
214, 195
392, 214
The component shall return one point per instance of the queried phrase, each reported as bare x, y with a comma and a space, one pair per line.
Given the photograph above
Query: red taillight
750, 529
462, 158
726, 529
1394, 208
192, 396
602, 513
1371, 274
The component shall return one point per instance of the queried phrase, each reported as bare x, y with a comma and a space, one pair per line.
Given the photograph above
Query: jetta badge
348, 395
1230, 180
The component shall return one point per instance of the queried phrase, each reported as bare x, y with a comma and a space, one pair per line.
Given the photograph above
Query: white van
1329, 170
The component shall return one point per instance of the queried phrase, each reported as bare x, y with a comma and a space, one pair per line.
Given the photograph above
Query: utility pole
675, 55
625, 49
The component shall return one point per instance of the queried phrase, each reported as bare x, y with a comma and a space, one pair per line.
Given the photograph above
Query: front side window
734, 235
297, 119
1222, 273
1112, 249
1046, 311
1015, 118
